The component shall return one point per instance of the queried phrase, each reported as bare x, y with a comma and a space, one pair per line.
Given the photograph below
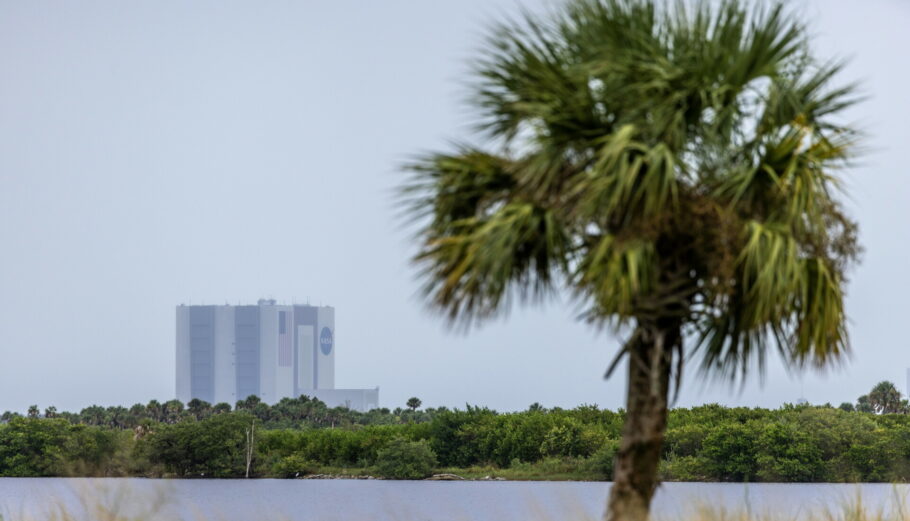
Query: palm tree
413, 403
137, 413
155, 410
248, 403
674, 169
172, 411
118, 417
199, 409
221, 407
886, 399
93, 415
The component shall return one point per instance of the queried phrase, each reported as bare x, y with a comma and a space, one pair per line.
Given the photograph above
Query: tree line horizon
883, 398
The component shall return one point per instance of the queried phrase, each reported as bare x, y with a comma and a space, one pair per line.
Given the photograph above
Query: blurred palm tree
674, 167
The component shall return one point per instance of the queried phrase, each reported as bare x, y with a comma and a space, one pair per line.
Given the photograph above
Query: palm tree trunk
650, 352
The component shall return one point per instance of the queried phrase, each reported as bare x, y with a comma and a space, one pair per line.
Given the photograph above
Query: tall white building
227, 353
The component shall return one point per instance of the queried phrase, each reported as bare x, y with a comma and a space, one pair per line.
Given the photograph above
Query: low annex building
227, 353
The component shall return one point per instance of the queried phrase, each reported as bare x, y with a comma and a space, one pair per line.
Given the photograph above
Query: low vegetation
404, 459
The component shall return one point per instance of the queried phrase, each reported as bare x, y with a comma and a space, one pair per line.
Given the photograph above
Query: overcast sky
160, 152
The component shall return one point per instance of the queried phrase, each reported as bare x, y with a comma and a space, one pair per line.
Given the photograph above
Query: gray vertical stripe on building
246, 338
202, 353
305, 316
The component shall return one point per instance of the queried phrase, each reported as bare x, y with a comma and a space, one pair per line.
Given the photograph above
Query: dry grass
101, 502
851, 510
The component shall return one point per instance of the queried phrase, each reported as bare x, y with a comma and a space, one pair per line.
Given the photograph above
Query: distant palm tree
199, 408
886, 399
221, 407
137, 413
414, 403
155, 410
671, 164
118, 417
172, 411
33, 411
248, 403
93, 415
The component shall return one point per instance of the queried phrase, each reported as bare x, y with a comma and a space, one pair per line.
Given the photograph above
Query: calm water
342, 500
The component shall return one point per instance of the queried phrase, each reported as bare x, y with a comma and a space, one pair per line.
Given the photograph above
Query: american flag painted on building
284, 339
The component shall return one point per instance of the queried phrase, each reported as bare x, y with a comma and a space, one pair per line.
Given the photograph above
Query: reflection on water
342, 500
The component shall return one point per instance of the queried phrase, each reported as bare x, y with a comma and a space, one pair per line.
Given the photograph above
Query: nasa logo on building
326, 340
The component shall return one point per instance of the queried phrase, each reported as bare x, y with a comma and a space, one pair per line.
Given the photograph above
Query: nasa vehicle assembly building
227, 353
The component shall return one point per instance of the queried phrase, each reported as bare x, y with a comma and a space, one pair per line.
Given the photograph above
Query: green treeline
300, 437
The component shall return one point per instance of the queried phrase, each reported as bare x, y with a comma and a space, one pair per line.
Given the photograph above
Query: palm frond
616, 274
471, 270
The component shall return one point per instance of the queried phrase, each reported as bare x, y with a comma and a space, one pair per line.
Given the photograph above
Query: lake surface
361, 500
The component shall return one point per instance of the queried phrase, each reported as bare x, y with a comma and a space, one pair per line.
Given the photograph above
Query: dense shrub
714, 443
685, 440
684, 468
293, 466
601, 462
32, 447
403, 459
215, 447
788, 453
337, 447
729, 452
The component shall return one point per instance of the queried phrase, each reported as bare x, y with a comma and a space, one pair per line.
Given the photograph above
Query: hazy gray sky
159, 152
